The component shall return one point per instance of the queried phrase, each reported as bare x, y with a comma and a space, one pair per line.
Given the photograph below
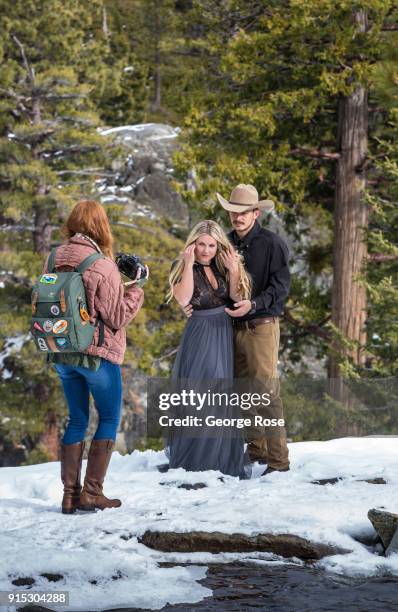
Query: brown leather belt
252, 323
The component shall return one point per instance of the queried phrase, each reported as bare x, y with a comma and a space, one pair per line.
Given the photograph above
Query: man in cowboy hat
256, 321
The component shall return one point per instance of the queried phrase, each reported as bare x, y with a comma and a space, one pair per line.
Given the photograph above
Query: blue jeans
105, 385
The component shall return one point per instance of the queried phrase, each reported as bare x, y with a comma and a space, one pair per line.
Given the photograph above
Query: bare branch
382, 257
389, 27
29, 69
316, 153
314, 329
88, 172
166, 356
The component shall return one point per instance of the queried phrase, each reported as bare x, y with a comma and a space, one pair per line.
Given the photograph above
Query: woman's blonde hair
212, 229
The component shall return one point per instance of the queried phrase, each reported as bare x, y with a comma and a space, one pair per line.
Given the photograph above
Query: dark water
246, 587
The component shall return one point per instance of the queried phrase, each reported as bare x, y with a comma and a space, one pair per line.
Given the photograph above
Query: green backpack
60, 320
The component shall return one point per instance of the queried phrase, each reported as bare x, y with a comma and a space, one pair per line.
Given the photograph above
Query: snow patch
37, 538
12, 345
149, 131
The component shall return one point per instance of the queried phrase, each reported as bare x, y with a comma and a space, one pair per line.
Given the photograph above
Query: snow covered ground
36, 538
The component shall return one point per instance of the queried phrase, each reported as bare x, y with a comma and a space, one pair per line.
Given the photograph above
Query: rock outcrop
386, 525
285, 544
142, 179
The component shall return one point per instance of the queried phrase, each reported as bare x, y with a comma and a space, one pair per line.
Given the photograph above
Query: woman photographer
97, 370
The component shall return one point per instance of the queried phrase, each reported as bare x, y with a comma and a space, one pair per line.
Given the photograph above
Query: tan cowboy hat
243, 198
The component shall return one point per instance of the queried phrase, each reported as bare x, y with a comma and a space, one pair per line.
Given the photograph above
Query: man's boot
71, 467
91, 497
270, 470
257, 450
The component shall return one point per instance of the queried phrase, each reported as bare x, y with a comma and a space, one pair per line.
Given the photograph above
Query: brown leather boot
257, 450
91, 497
71, 467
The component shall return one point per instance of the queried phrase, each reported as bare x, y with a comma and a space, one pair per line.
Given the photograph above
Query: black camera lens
129, 266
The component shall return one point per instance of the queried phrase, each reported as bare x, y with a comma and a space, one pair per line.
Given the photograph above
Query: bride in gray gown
209, 276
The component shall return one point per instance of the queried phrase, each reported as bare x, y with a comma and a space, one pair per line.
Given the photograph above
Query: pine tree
286, 107
50, 64
50, 153
154, 32
61, 76
381, 278
123, 98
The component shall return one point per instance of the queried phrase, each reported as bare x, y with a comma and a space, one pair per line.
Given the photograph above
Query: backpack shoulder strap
51, 261
86, 263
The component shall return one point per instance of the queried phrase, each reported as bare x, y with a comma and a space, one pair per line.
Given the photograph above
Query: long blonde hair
212, 229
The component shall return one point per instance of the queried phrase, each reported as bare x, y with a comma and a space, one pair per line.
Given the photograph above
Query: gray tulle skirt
205, 358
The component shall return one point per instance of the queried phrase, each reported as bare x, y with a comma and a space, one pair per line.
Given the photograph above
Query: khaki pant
256, 359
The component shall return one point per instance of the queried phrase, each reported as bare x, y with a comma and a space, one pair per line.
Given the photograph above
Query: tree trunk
41, 221
105, 27
350, 221
158, 82
42, 227
50, 436
157, 100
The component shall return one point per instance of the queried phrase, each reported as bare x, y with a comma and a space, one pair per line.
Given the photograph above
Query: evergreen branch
9, 277
314, 329
315, 153
367, 162
74, 96
43, 96
133, 226
65, 151
7, 227
12, 94
20, 102
34, 139
189, 53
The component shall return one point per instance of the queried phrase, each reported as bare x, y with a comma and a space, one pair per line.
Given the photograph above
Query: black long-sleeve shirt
266, 259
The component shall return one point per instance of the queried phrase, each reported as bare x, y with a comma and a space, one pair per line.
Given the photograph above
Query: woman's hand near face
189, 255
230, 260
183, 290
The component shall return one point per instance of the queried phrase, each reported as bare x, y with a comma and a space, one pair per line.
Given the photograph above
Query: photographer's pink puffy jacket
106, 296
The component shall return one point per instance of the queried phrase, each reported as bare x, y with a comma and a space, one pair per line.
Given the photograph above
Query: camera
129, 266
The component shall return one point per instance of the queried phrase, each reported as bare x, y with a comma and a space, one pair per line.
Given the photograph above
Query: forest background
299, 97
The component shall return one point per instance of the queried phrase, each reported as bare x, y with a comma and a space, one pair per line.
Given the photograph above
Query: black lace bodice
204, 295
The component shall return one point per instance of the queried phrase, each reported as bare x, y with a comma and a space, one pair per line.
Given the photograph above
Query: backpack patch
48, 326
60, 326
49, 279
